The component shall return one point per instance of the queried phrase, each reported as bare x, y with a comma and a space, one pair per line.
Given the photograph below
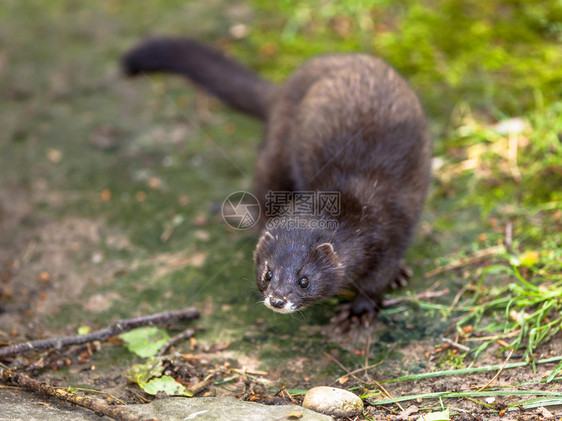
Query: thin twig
365, 368
457, 298
367, 351
499, 371
289, 397
245, 372
98, 406
455, 344
384, 391
109, 395
359, 370
420, 296
482, 254
187, 333
508, 235
101, 335
349, 373
495, 337
198, 387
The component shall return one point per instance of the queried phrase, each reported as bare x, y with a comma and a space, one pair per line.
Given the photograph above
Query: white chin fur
286, 309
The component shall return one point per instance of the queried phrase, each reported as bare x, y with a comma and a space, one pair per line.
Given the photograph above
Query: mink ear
266, 238
326, 251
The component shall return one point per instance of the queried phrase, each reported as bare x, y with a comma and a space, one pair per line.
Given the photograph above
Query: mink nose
277, 302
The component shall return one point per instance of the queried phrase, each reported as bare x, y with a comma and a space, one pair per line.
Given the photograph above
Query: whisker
295, 315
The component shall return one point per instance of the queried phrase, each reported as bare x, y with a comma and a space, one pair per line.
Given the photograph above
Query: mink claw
367, 319
401, 280
346, 320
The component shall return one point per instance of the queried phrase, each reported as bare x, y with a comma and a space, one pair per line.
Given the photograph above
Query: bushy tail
233, 83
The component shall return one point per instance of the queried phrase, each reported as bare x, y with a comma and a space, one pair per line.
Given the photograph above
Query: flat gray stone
18, 405
24, 406
175, 409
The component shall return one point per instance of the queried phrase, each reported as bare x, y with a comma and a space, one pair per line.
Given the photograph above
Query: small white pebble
333, 401
490, 400
239, 30
54, 155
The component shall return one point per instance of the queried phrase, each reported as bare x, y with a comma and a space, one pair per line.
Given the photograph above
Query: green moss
451, 360
497, 56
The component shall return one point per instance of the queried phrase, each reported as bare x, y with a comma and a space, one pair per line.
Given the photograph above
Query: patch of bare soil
45, 264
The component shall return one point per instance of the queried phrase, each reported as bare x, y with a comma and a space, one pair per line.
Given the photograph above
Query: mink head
295, 268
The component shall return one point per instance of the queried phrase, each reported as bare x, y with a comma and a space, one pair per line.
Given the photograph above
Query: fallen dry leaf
54, 155
154, 183
105, 195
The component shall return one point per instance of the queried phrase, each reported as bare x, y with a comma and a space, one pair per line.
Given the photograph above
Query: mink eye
268, 275
303, 282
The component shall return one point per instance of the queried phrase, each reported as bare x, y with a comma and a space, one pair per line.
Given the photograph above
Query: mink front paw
402, 277
346, 321
356, 315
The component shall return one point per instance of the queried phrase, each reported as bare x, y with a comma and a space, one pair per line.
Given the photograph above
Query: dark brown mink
346, 123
